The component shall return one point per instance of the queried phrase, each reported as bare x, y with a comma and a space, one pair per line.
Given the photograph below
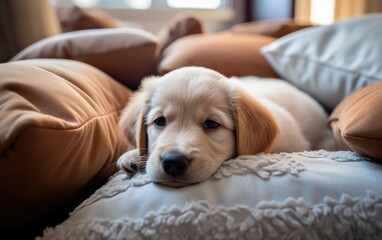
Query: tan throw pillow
179, 26
272, 28
59, 136
125, 54
229, 54
75, 18
357, 122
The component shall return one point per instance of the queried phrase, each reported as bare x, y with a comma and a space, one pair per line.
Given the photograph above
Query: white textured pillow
330, 62
306, 195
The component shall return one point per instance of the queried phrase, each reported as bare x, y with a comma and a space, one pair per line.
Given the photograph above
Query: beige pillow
357, 122
229, 54
125, 54
58, 135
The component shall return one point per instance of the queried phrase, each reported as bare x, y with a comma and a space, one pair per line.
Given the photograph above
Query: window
210, 4
146, 4
322, 11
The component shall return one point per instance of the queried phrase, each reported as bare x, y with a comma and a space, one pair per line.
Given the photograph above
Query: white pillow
306, 195
330, 62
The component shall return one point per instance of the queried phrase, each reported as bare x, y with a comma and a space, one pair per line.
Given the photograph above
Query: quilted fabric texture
304, 195
58, 135
330, 62
229, 54
125, 54
357, 122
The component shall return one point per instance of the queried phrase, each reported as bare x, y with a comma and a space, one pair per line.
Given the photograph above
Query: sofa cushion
58, 135
125, 54
330, 62
229, 54
74, 18
357, 122
179, 26
271, 28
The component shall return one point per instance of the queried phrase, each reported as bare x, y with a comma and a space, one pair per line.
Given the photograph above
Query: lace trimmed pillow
305, 195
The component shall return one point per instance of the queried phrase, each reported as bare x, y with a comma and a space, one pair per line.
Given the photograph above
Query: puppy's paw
129, 162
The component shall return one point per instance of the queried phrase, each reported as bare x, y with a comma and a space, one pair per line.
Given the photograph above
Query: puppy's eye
210, 124
160, 122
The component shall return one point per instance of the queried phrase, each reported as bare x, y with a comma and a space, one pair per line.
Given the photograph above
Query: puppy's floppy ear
132, 120
256, 128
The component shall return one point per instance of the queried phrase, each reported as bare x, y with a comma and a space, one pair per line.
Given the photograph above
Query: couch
62, 93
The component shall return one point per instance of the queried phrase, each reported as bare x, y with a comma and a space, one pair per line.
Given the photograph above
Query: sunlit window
86, 3
146, 4
322, 11
204, 4
138, 4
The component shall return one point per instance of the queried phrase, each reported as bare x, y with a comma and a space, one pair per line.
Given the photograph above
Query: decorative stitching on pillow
346, 218
339, 156
263, 165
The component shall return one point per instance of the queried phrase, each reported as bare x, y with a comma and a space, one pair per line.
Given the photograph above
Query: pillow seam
98, 116
358, 137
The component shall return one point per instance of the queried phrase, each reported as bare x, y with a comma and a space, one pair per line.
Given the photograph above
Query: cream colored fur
253, 115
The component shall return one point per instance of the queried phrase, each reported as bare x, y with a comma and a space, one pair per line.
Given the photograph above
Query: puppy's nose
174, 163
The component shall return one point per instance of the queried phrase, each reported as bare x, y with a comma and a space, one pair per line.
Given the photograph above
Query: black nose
174, 163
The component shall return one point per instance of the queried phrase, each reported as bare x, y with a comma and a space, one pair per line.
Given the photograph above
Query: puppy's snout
174, 163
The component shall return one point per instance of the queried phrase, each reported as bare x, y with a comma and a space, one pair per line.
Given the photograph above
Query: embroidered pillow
306, 195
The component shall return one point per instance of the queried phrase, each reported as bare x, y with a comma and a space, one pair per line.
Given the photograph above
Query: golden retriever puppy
186, 123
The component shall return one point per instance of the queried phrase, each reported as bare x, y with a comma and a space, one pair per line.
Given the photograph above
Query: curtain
343, 9
23, 23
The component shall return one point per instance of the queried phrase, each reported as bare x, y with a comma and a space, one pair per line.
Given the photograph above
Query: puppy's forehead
191, 84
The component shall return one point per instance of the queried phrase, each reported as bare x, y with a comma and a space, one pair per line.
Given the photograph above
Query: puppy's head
191, 120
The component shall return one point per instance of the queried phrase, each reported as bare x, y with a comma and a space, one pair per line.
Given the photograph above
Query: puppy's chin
181, 181
174, 183
177, 182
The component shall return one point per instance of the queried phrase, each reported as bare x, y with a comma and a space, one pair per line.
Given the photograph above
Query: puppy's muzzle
175, 164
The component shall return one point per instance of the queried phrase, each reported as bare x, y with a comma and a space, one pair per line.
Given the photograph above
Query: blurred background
24, 22
221, 14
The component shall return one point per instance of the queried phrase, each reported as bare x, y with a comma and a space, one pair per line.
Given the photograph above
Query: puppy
186, 123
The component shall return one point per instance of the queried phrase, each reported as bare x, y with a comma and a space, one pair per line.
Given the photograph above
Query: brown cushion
271, 28
357, 122
58, 135
125, 54
23, 23
230, 54
75, 18
179, 26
